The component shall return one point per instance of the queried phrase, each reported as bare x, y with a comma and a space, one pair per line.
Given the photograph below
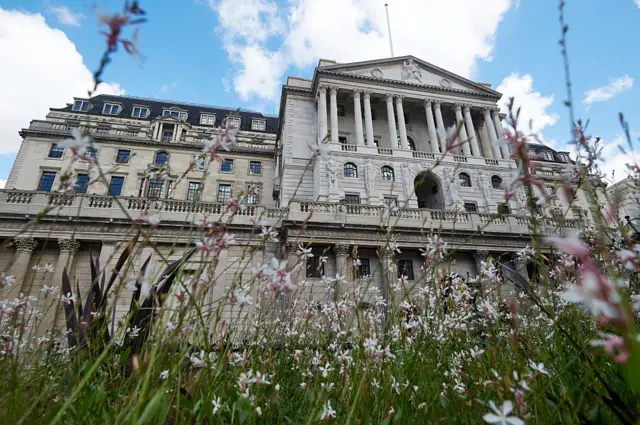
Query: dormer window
111, 109
80, 106
175, 114
234, 121
207, 119
140, 112
563, 157
258, 125
548, 155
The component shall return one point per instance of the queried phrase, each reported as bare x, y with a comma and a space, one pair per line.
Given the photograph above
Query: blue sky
237, 53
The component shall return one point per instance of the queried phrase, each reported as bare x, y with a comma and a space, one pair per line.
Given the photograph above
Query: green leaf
151, 409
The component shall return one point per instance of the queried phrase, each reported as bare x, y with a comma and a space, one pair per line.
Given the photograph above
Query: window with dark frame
193, 191
577, 213
224, 192
81, 106
46, 181
315, 267
352, 199
55, 151
253, 196
155, 188
226, 166
470, 207
387, 173
82, 183
504, 209
116, 185
255, 168
123, 156
496, 182
390, 201
465, 180
90, 152
405, 268
364, 269
342, 140
350, 170
140, 112
111, 109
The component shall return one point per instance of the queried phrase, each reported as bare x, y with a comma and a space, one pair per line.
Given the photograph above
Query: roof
156, 106
538, 148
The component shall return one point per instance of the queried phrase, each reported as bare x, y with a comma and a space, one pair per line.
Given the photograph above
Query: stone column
504, 149
178, 133
52, 309
492, 133
431, 126
368, 118
471, 131
297, 265
402, 126
319, 140
357, 113
322, 112
343, 266
393, 135
19, 268
480, 256
442, 132
390, 275
334, 114
463, 133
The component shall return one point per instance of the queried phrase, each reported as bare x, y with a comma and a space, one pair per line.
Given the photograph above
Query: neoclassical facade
381, 129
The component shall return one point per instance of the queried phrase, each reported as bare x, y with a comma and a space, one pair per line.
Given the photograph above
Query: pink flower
613, 345
573, 246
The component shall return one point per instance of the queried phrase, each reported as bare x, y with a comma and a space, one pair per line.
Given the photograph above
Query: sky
238, 53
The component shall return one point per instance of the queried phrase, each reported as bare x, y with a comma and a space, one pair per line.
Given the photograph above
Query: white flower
49, 268
78, 142
280, 278
475, 352
325, 370
357, 262
46, 289
151, 220
197, 360
269, 234
240, 297
133, 332
164, 374
216, 404
303, 385
304, 253
327, 412
67, 299
36, 268
500, 416
538, 367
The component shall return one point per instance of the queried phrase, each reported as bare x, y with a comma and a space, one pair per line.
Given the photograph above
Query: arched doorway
429, 191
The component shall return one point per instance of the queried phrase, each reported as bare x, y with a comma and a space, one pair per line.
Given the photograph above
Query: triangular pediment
409, 69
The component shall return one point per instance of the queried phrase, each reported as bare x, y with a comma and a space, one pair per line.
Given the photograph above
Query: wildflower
539, 368
280, 278
571, 246
133, 332
46, 289
357, 262
304, 253
240, 297
259, 411
303, 385
78, 143
164, 374
500, 416
613, 345
475, 352
327, 412
151, 220
35, 268
323, 259
67, 299
269, 235
435, 250
216, 404
49, 268
6, 280
325, 370
526, 253
197, 360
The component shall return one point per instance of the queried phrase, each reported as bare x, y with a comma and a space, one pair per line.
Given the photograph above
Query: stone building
381, 127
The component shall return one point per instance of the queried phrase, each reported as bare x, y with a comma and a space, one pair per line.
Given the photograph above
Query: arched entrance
429, 191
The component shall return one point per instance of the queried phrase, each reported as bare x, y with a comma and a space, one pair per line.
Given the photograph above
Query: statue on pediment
411, 71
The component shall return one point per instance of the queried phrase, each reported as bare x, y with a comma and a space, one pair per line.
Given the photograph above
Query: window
352, 199
255, 168
563, 157
342, 139
350, 170
253, 194
315, 267
140, 112
548, 155
162, 158
90, 152
465, 180
123, 156
207, 119
111, 109
155, 188
387, 173
496, 182
390, 201
577, 213
470, 207
82, 183
412, 144
234, 121
226, 166
364, 269
81, 106
405, 268
115, 187
258, 125
175, 114
341, 112
46, 181
193, 191
376, 143
55, 151
504, 209
224, 193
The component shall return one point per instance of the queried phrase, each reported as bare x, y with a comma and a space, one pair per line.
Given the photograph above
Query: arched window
496, 182
387, 173
465, 180
412, 144
162, 158
350, 170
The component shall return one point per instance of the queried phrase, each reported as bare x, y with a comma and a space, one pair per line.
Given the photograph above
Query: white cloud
49, 76
534, 114
607, 92
65, 15
3, 183
614, 159
637, 2
351, 30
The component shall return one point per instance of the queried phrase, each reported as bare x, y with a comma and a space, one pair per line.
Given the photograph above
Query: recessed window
234, 122
465, 180
470, 207
156, 188
207, 119
350, 170
81, 106
46, 181
90, 152
412, 144
496, 182
123, 156
253, 194
352, 199
364, 269
387, 173
226, 166
255, 168
140, 112
111, 109
82, 183
162, 158
193, 192
116, 185
577, 213
55, 151
315, 267
341, 112
258, 125
504, 209
342, 139
224, 193
405, 268
548, 155
175, 114
390, 201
